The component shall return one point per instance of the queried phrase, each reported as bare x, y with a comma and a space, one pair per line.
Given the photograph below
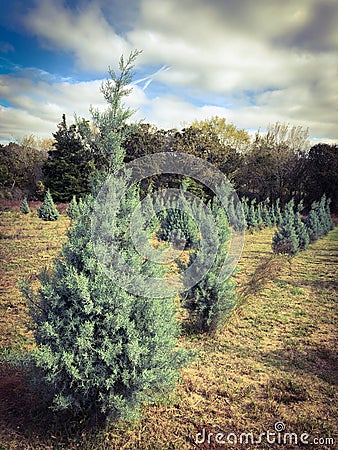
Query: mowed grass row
27, 246
274, 361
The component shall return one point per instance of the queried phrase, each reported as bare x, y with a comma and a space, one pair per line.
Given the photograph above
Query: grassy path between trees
274, 361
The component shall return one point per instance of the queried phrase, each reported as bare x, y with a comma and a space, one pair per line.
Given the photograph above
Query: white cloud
252, 62
85, 33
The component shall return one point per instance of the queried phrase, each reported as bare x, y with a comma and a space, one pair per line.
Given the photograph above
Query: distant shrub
47, 210
24, 208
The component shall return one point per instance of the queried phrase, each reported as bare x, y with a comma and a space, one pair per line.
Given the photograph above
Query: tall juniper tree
101, 348
285, 239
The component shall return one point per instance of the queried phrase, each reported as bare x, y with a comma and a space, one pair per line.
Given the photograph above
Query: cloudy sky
254, 62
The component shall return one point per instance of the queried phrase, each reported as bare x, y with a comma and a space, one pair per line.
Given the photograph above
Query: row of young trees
294, 235
47, 210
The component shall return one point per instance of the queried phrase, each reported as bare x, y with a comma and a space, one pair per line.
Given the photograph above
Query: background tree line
277, 164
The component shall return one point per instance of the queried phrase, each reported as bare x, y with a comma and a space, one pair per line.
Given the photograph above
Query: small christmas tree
24, 208
266, 213
277, 213
245, 209
300, 229
47, 210
73, 209
312, 222
210, 301
252, 215
324, 216
177, 224
259, 216
285, 239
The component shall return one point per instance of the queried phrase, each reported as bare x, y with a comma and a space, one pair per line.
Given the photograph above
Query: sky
254, 62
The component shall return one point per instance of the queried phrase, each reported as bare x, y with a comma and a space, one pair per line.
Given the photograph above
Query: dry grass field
274, 360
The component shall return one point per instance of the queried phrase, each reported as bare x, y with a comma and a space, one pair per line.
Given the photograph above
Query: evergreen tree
300, 229
70, 165
177, 224
330, 223
285, 239
210, 301
324, 216
273, 219
236, 214
24, 207
277, 213
252, 215
259, 216
73, 210
245, 208
101, 348
47, 210
312, 222
266, 213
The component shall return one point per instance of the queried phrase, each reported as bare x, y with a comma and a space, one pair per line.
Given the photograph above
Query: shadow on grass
316, 360
267, 270
26, 415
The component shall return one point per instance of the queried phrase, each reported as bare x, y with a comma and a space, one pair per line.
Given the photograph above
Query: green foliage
245, 208
109, 141
324, 217
313, 223
73, 210
70, 164
47, 210
251, 220
319, 221
210, 301
266, 211
177, 224
285, 239
277, 213
329, 221
300, 229
259, 216
99, 347
273, 162
24, 207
